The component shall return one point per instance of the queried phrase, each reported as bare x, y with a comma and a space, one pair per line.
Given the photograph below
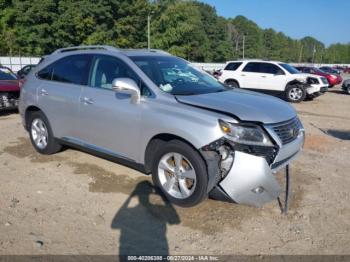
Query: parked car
330, 70
269, 77
346, 70
332, 79
346, 86
9, 89
339, 68
161, 115
24, 71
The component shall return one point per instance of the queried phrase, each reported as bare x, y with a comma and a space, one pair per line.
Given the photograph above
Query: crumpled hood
246, 105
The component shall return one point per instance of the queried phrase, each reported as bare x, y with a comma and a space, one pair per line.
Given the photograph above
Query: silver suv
159, 114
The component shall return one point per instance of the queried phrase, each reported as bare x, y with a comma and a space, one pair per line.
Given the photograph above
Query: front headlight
302, 80
245, 134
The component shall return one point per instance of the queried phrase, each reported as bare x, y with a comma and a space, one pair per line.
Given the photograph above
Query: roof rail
148, 50
85, 47
158, 51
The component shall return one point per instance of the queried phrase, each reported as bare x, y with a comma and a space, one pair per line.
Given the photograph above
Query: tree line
189, 29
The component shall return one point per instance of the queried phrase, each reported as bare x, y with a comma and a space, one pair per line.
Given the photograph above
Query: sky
326, 20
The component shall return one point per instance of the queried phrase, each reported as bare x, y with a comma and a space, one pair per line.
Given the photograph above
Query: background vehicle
332, 79
24, 71
9, 89
330, 70
268, 77
161, 115
346, 70
346, 86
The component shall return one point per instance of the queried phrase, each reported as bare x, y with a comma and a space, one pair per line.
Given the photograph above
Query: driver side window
107, 68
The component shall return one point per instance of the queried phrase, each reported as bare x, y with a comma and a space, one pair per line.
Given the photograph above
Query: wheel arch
28, 111
293, 82
233, 80
157, 141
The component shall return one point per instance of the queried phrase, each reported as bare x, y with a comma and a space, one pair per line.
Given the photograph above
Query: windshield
319, 71
7, 74
176, 76
290, 69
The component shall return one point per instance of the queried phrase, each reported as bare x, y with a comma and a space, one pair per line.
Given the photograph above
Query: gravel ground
75, 203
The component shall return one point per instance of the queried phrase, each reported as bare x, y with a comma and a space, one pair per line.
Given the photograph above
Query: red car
9, 89
333, 79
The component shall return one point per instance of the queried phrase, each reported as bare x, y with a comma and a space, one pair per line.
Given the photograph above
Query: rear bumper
251, 179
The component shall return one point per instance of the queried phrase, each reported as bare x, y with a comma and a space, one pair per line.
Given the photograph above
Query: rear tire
185, 184
295, 93
41, 134
232, 84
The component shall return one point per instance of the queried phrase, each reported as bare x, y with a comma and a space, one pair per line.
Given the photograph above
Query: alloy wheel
295, 93
39, 133
177, 175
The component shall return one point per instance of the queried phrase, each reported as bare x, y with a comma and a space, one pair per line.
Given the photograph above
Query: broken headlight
245, 134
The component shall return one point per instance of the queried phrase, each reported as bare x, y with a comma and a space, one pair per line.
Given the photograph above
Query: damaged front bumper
251, 179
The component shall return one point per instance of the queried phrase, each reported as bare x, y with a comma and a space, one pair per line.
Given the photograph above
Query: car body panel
245, 105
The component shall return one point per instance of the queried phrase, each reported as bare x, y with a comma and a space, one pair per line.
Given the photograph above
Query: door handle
242, 74
88, 101
263, 76
43, 92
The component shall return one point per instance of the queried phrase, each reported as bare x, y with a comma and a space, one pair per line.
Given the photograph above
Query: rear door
250, 76
59, 93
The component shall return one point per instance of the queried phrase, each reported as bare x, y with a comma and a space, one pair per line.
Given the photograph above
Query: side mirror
127, 86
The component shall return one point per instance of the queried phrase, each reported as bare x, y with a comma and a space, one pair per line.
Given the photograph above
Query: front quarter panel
197, 126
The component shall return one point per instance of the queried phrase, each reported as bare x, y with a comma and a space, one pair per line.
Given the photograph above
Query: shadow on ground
143, 223
337, 91
5, 113
340, 134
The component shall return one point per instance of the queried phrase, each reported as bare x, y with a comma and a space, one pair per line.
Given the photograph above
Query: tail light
21, 82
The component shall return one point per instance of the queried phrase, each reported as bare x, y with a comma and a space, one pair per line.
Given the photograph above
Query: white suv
269, 76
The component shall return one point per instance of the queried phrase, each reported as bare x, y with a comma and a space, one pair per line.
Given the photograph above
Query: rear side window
7, 74
252, 67
71, 69
232, 66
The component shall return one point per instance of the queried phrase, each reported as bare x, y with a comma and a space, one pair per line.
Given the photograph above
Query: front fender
198, 127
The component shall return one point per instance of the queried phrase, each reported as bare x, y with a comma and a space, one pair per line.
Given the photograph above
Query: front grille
268, 152
324, 80
288, 131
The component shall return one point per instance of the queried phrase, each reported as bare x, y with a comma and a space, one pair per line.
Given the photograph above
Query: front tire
347, 89
295, 93
41, 134
181, 174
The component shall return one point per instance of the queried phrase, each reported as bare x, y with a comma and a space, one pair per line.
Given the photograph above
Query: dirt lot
75, 203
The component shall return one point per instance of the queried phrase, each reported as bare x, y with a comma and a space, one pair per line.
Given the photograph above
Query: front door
272, 77
108, 121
